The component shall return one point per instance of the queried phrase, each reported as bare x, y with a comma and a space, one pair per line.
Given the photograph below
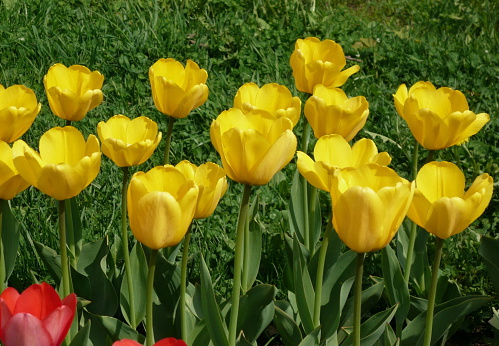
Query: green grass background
450, 43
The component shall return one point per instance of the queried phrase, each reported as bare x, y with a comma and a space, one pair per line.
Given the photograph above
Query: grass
451, 43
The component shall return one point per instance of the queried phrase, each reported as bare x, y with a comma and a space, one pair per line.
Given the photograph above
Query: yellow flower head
369, 205
128, 142
319, 62
211, 181
11, 182
73, 91
440, 204
272, 98
18, 110
438, 118
65, 165
330, 111
252, 147
333, 152
161, 204
176, 90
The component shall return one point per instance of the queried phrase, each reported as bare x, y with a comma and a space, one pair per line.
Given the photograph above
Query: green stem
150, 288
320, 274
304, 147
126, 253
3, 273
305, 135
70, 232
169, 132
312, 207
66, 287
246, 245
357, 303
183, 284
433, 291
236, 289
431, 155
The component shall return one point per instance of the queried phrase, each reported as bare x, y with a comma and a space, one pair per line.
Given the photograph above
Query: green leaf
398, 292
312, 339
116, 329
252, 259
50, 259
199, 335
304, 289
489, 250
139, 268
77, 237
289, 330
420, 270
297, 208
445, 314
216, 327
389, 337
82, 338
331, 312
92, 263
256, 311
372, 329
10, 238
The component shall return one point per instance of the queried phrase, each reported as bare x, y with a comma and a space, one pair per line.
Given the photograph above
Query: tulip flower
440, 204
35, 317
369, 205
128, 142
333, 152
161, 205
65, 165
211, 181
438, 118
272, 98
11, 182
252, 147
18, 110
176, 90
73, 91
319, 62
163, 342
330, 111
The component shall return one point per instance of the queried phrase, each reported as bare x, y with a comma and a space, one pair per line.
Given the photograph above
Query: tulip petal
27, 162
449, 216
316, 173
126, 342
59, 321
24, 329
440, 179
38, 300
62, 145
60, 181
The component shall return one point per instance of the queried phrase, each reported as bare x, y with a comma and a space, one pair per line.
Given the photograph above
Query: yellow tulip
272, 98
369, 205
438, 118
330, 111
73, 91
161, 204
176, 90
211, 181
333, 152
65, 165
440, 204
18, 110
11, 182
128, 142
252, 147
319, 62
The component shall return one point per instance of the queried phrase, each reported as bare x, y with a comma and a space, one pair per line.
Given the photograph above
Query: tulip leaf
304, 289
288, 329
138, 264
198, 335
312, 339
445, 315
489, 250
253, 235
242, 341
372, 329
420, 270
256, 311
73, 224
396, 287
10, 238
331, 312
340, 271
92, 262
116, 329
82, 338
81, 284
216, 327
389, 337
50, 259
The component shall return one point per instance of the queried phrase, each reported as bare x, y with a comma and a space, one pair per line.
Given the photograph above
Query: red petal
25, 330
38, 300
59, 322
10, 296
126, 342
170, 342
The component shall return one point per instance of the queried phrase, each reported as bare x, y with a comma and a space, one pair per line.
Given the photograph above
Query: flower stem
320, 274
236, 289
433, 291
246, 251
150, 288
414, 229
126, 254
70, 231
66, 287
169, 132
3, 273
183, 284
357, 303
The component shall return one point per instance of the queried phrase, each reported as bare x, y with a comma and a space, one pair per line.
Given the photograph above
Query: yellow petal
60, 181
62, 145
27, 162
449, 216
316, 173
440, 179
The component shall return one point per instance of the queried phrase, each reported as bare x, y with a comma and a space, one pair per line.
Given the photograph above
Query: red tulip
35, 317
163, 342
